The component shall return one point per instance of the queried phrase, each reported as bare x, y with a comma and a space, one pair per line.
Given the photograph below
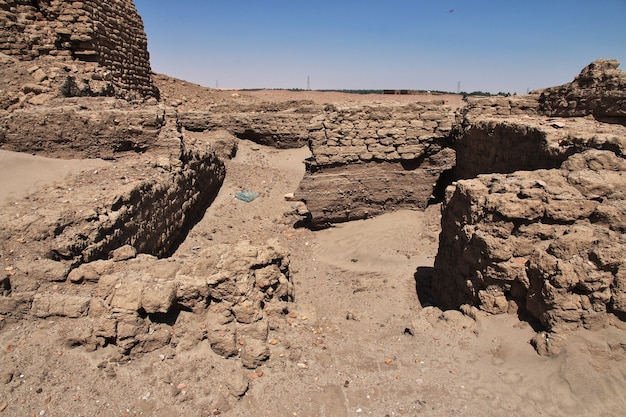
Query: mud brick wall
369, 134
109, 34
278, 125
137, 202
549, 243
367, 160
502, 106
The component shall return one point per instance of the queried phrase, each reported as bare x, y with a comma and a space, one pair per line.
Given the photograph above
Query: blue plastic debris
247, 196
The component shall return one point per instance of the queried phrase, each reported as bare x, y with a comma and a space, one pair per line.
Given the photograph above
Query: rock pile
132, 301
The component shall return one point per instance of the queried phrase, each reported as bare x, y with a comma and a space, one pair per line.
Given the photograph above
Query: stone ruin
97, 248
532, 225
102, 44
536, 227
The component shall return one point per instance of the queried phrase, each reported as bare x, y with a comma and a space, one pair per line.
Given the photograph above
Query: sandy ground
361, 341
22, 174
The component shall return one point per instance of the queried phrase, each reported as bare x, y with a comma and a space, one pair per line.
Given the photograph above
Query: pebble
7, 377
302, 365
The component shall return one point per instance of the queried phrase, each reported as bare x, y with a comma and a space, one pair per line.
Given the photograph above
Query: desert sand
22, 174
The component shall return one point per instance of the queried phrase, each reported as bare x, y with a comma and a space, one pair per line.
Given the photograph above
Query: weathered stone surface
254, 353
91, 271
538, 242
283, 125
223, 340
89, 128
123, 253
43, 270
491, 144
51, 304
158, 296
360, 191
599, 90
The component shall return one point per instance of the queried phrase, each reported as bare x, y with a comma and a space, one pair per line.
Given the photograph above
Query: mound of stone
132, 301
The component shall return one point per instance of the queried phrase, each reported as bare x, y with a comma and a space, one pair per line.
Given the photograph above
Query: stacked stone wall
367, 160
377, 134
109, 34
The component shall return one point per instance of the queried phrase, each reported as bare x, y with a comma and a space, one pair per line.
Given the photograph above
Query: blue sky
485, 45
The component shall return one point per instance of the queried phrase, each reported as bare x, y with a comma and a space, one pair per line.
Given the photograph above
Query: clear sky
483, 45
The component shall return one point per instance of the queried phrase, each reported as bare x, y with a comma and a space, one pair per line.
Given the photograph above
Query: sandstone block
90, 272
127, 294
44, 270
158, 297
123, 253
53, 304
254, 353
223, 340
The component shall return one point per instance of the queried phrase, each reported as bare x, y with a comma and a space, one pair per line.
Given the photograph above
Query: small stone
388, 361
302, 365
7, 377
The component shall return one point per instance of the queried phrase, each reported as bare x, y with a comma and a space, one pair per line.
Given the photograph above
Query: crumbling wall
366, 160
132, 300
109, 34
281, 125
549, 243
599, 90
541, 231
148, 201
84, 129
504, 145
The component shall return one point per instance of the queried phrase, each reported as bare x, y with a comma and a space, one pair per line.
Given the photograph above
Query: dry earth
358, 340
